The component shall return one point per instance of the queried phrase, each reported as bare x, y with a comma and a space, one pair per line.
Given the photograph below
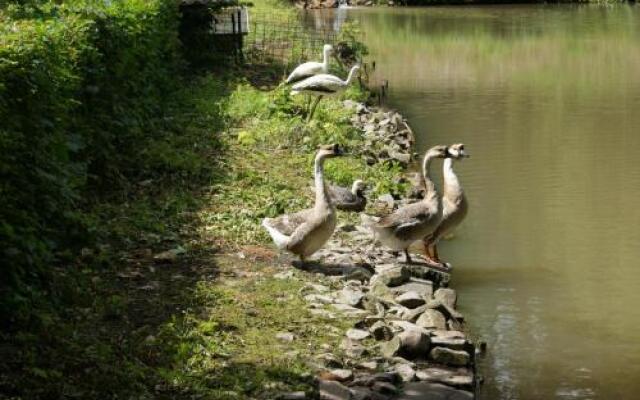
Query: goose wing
304, 71
288, 223
340, 195
323, 83
406, 219
307, 228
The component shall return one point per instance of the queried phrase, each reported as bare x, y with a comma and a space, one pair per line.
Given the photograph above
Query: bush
80, 86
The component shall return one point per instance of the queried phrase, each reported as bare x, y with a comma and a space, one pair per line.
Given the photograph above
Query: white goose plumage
324, 84
311, 68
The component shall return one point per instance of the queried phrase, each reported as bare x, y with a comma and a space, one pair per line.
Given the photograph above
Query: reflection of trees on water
330, 20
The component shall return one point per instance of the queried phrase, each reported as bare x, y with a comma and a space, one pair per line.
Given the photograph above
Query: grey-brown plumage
346, 199
305, 232
454, 203
414, 221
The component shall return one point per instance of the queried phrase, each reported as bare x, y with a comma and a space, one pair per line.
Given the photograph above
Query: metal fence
287, 40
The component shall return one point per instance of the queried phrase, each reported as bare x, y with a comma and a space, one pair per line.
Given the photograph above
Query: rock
391, 274
329, 360
449, 312
357, 334
407, 374
363, 393
381, 331
313, 287
432, 391
422, 287
402, 158
293, 396
378, 288
413, 314
454, 340
349, 310
459, 377
369, 380
356, 273
332, 390
352, 348
432, 319
350, 296
387, 200
406, 326
410, 299
285, 336
318, 298
411, 344
456, 358
368, 365
447, 297
340, 375
384, 388
372, 304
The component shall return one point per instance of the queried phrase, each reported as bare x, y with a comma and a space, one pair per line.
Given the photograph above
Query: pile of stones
387, 134
408, 339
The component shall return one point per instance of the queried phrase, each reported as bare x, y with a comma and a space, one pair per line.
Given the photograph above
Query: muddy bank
408, 340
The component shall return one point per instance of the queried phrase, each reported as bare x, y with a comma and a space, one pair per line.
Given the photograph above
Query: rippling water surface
547, 100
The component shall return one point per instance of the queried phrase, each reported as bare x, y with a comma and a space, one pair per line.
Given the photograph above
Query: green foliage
79, 83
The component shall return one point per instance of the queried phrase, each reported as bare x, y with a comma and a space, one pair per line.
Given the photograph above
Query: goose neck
351, 75
451, 182
320, 188
426, 173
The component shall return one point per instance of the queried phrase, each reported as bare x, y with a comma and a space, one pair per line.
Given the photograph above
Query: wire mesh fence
286, 40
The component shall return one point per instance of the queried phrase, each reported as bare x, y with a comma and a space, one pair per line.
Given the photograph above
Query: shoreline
407, 337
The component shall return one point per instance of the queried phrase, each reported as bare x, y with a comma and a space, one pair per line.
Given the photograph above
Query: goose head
439, 151
358, 187
457, 151
327, 49
328, 151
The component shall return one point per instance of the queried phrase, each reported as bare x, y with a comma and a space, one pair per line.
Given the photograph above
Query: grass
202, 324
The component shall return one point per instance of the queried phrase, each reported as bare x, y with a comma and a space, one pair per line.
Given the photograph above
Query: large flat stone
432, 319
332, 390
410, 299
443, 355
391, 274
432, 391
457, 377
422, 287
446, 296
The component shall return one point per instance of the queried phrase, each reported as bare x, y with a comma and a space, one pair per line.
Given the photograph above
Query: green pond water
547, 100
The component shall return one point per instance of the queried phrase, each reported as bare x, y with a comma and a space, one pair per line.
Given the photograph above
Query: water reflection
546, 98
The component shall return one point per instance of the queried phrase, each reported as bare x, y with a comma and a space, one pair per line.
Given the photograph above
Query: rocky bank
408, 340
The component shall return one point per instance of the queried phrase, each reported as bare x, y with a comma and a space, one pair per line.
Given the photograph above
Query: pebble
357, 334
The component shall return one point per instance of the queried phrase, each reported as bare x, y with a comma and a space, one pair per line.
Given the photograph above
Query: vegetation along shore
134, 263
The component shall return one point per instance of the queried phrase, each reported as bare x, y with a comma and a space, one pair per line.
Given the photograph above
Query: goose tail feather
281, 240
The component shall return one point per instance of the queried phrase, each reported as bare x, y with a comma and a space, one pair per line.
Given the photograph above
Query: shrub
80, 85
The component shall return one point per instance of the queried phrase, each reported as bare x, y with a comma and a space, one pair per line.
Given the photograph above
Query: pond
547, 100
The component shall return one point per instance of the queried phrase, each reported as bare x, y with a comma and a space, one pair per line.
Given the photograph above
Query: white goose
323, 85
415, 221
311, 68
305, 232
454, 203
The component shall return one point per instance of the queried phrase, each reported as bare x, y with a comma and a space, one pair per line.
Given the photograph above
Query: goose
346, 199
305, 232
311, 68
415, 221
323, 85
454, 203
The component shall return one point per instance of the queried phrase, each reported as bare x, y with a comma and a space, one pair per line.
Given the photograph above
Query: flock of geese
427, 220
